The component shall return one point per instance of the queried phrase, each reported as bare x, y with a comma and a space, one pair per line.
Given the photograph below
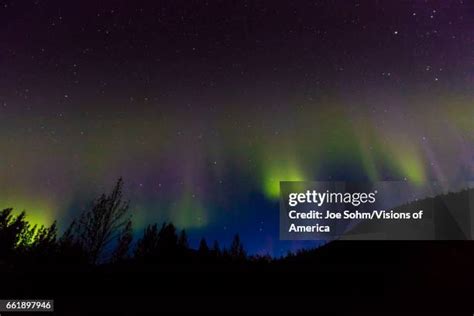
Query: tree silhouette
203, 249
183, 240
147, 246
45, 237
167, 242
26, 236
237, 251
216, 250
69, 248
42, 245
97, 227
21, 240
161, 245
11, 230
123, 243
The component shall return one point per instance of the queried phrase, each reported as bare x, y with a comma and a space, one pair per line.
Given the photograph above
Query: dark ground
395, 278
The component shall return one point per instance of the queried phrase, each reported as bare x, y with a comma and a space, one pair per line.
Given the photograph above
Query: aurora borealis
204, 106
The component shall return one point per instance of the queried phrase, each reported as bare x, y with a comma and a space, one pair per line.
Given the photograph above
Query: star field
204, 106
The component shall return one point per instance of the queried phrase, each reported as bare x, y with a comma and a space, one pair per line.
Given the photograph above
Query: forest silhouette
97, 256
103, 235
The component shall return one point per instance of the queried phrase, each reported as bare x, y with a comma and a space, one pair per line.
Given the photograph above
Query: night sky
204, 106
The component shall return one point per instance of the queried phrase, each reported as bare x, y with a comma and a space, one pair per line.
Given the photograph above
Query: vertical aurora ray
203, 117
314, 138
276, 171
410, 165
188, 212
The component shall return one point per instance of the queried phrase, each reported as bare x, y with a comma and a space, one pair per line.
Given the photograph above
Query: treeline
103, 234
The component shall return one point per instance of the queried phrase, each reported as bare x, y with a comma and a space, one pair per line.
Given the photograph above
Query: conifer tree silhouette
183, 240
163, 245
45, 243
167, 242
203, 249
11, 229
39, 244
216, 250
147, 246
237, 249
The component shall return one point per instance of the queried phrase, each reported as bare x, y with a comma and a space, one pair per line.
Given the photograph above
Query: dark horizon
448, 211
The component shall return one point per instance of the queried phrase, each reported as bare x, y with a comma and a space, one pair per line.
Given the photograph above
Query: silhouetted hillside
445, 217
